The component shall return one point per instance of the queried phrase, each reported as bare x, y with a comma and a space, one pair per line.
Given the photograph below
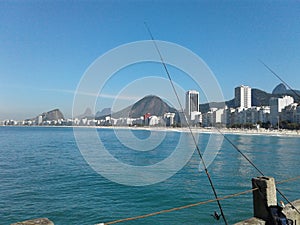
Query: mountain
87, 114
206, 106
54, 114
149, 104
260, 98
104, 112
280, 89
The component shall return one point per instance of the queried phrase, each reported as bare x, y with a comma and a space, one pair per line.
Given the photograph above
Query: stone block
40, 221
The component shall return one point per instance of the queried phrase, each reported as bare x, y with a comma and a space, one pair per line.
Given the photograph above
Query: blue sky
46, 46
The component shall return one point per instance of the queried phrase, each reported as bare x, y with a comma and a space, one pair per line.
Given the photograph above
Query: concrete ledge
287, 210
40, 221
292, 213
252, 221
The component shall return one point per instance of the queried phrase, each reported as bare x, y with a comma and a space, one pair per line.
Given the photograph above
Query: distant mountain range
89, 115
103, 112
156, 106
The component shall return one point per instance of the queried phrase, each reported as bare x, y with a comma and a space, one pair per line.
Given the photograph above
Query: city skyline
280, 112
46, 47
191, 108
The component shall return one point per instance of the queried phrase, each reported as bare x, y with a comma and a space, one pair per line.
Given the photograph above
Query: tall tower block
242, 97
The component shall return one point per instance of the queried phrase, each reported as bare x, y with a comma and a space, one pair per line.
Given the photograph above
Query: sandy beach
261, 131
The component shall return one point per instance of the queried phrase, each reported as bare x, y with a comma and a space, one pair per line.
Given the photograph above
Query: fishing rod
235, 147
188, 124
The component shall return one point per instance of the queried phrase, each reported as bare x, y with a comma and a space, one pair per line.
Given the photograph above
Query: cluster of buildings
168, 119
280, 110
38, 122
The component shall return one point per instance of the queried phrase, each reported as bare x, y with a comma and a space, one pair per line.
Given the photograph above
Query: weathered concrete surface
252, 221
40, 221
287, 210
264, 197
292, 213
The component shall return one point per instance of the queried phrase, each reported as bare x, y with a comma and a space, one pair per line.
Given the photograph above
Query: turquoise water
43, 174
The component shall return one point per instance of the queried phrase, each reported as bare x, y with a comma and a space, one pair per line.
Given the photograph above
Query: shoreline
235, 131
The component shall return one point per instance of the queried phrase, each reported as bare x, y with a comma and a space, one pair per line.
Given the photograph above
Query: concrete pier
264, 197
40, 221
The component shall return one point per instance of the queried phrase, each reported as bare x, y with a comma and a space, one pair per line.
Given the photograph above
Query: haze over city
46, 47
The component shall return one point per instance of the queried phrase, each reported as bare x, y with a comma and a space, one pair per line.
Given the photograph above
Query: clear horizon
46, 48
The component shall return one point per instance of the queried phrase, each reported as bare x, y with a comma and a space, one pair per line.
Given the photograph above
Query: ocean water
43, 174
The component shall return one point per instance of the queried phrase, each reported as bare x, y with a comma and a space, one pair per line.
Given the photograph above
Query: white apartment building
242, 96
219, 116
276, 106
169, 118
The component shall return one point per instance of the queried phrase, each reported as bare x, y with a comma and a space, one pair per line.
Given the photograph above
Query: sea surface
44, 174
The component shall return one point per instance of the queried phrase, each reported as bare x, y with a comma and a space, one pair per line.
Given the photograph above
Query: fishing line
275, 74
191, 205
252, 163
187, 122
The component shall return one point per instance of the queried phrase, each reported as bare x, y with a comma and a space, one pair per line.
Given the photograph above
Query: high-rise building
242, 97
191, 102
